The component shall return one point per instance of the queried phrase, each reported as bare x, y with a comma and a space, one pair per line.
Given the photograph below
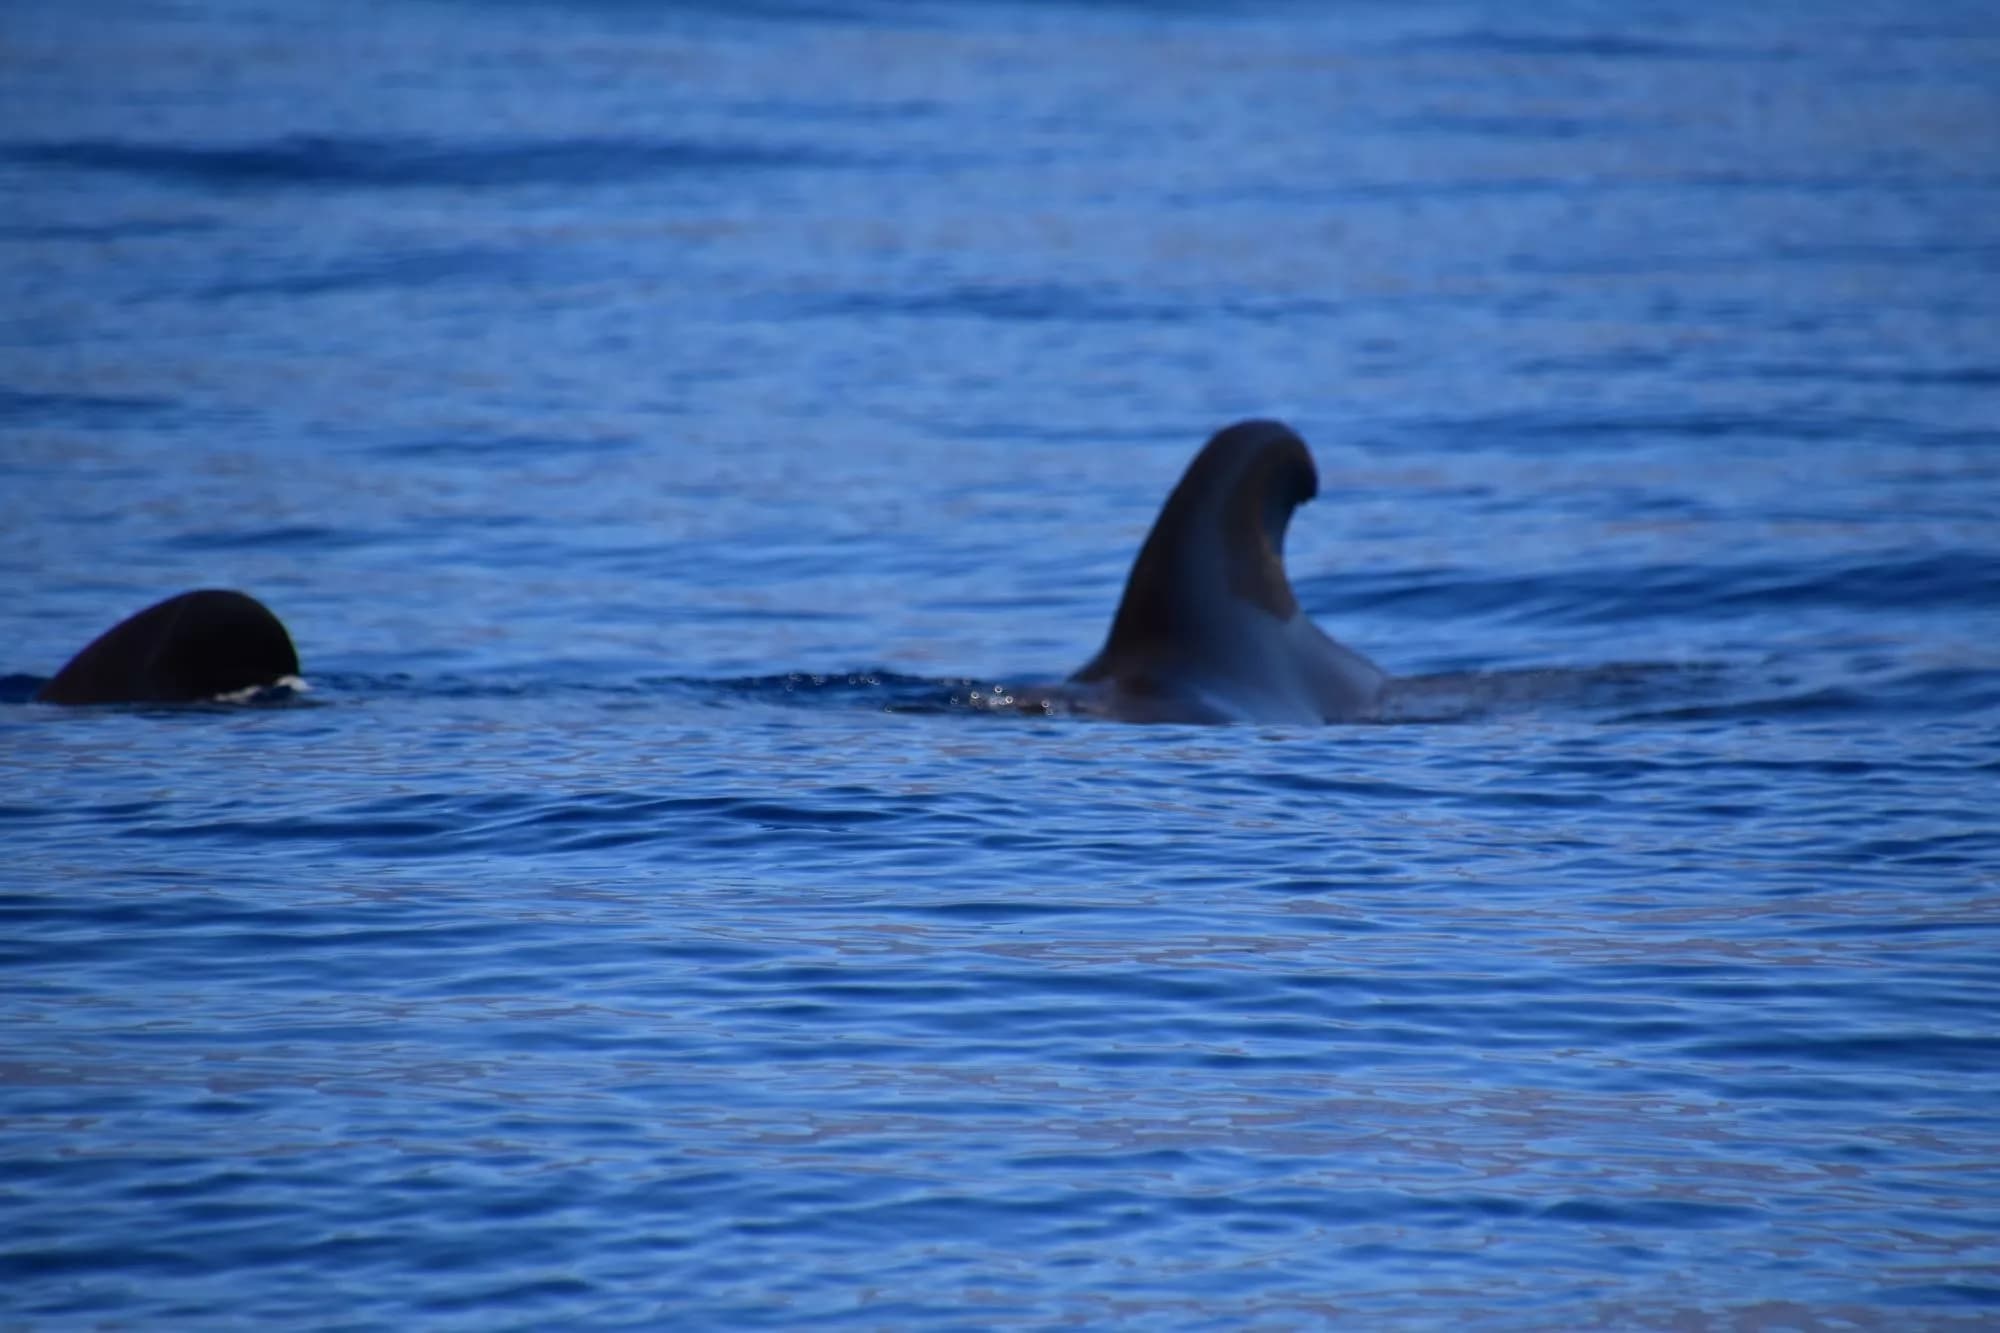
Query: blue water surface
667, 427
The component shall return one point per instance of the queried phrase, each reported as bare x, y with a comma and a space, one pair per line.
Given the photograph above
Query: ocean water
666, 427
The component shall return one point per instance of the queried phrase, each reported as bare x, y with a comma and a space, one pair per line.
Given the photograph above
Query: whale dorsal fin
1209, 627
1226, 517
197, 645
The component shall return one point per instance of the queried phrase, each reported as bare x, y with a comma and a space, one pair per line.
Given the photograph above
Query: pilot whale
197, 645
1208, 629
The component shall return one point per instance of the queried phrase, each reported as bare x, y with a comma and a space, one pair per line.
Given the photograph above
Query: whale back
1209, 627
197, 645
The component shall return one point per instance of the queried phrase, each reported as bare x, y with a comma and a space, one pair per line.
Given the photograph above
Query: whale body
1208, 629
194, 646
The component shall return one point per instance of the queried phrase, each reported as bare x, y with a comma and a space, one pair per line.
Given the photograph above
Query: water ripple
344, 162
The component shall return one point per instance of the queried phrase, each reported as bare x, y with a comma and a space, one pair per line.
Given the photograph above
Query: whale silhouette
1209, 629
196, 645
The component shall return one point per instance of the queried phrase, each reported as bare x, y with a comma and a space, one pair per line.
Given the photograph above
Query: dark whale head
1209, 625
198, 645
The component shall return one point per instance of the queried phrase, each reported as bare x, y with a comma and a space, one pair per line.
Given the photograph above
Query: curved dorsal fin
1225, 520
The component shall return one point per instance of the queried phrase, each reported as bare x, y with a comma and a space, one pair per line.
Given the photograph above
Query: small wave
96, 233
1463, 696
404, 163
90, 409
1612, 594
1945, 377
1827, 700
1511, 127
1589, 45
1034, 303
302, 535
1546, 429
497, 448
402, 272
893, 693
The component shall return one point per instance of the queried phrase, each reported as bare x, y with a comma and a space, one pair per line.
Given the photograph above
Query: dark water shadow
347, 161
